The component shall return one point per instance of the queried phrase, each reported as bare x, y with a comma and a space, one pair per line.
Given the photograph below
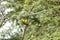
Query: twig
24, 32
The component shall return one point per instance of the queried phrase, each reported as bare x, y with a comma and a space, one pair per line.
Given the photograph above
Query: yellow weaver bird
24, 21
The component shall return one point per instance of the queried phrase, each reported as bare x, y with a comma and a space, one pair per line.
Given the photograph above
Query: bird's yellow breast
24, 21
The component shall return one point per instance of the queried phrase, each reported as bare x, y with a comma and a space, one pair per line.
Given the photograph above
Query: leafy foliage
43, 19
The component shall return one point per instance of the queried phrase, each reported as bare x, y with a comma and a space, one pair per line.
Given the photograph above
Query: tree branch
24, 32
